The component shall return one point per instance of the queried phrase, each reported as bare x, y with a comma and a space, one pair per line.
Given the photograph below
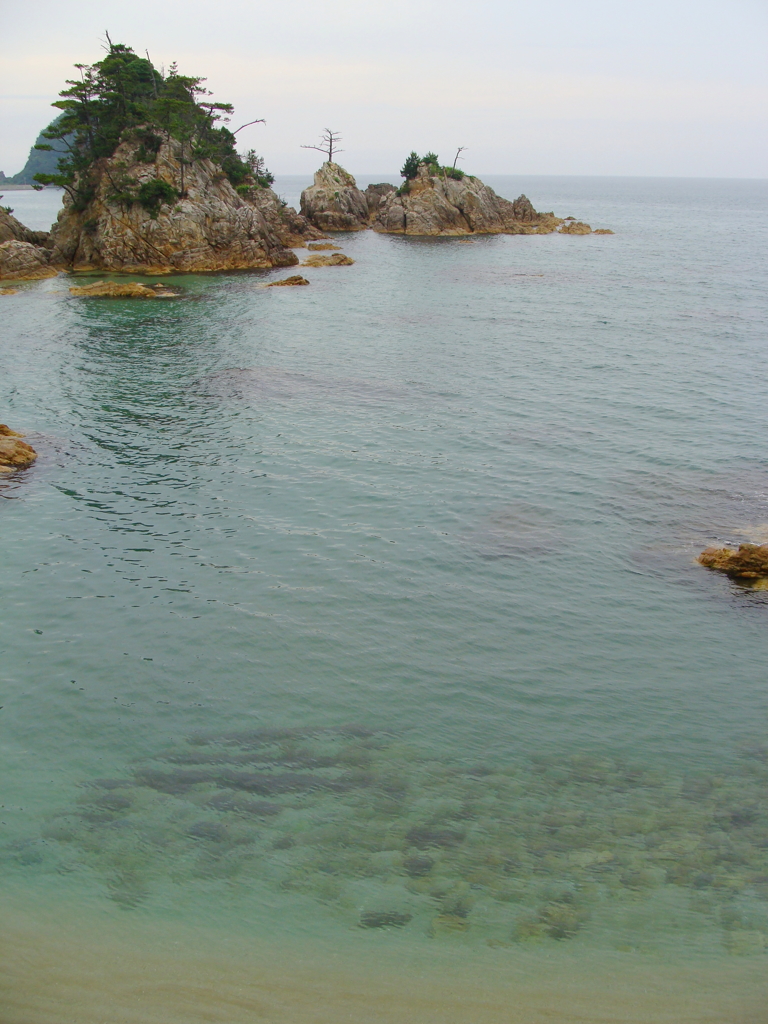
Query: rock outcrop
206, 225
334, 202
25, 255
374, 195
22, 261
749, 562
14, 453
12, 230
442, 205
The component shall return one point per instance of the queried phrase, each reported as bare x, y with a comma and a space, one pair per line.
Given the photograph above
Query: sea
355, 660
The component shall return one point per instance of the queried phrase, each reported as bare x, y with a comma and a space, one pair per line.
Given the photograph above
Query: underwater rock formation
334, 202
393, 837
14, 453
749, 562
190, 219
436, 204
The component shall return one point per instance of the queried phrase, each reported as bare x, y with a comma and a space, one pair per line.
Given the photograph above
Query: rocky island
153, 183
433, 200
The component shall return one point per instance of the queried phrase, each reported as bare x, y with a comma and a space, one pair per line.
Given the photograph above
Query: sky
594, 87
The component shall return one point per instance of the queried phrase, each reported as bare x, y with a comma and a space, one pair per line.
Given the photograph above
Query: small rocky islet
386, 835
15, 453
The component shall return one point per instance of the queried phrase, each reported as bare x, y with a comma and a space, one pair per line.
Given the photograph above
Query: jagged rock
12, 230
121, 290
334, 202
441, 205
374, 195
212, 227
337, 260
14, 453
575, 227
23, 261
295, 279
316, 246
749, 562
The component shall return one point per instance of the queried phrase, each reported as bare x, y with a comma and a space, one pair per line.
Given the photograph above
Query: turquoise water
368, 613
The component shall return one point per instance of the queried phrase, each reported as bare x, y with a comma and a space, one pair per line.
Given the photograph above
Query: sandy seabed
63, 966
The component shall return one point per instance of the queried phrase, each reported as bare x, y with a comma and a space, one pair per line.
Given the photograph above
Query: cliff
436, 204
173, 214
39, 161
334, 202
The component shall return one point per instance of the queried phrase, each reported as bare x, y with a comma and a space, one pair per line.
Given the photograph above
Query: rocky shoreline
209, 225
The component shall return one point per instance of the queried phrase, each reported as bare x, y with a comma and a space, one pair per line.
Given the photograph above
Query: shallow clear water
362, 622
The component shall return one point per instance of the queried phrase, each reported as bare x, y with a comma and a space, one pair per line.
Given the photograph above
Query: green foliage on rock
410, 168
124, 96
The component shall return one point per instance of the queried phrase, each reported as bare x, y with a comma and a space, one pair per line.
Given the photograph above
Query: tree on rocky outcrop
328, 144
125, 93
431, 162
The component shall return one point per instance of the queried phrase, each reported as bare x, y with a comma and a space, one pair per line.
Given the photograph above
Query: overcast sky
658, 87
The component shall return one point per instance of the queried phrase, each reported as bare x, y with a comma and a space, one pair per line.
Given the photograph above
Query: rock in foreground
749, 562
12, 230
174, 214
438, 204
334, 202
14, 453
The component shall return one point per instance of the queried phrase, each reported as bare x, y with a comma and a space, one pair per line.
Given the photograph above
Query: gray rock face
22, 261
12, 230
211, 227
374, 195
441, 205
334, 202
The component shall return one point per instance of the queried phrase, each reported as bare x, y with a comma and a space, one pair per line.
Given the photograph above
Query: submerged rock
14, 453
334, 202
436, 204
384, 919
9, 291
195, 222
120, 290
295, 279
749, 562
318, 246
337, 260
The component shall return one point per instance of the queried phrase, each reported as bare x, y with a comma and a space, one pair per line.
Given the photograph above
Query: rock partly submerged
25, 255
122, 290
15, 453
437, 204
334, 202
202, 224
295, 279
750, 562
337, 260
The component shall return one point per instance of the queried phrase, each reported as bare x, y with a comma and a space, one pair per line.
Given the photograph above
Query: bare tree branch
328, 140
260, 120
458, 152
